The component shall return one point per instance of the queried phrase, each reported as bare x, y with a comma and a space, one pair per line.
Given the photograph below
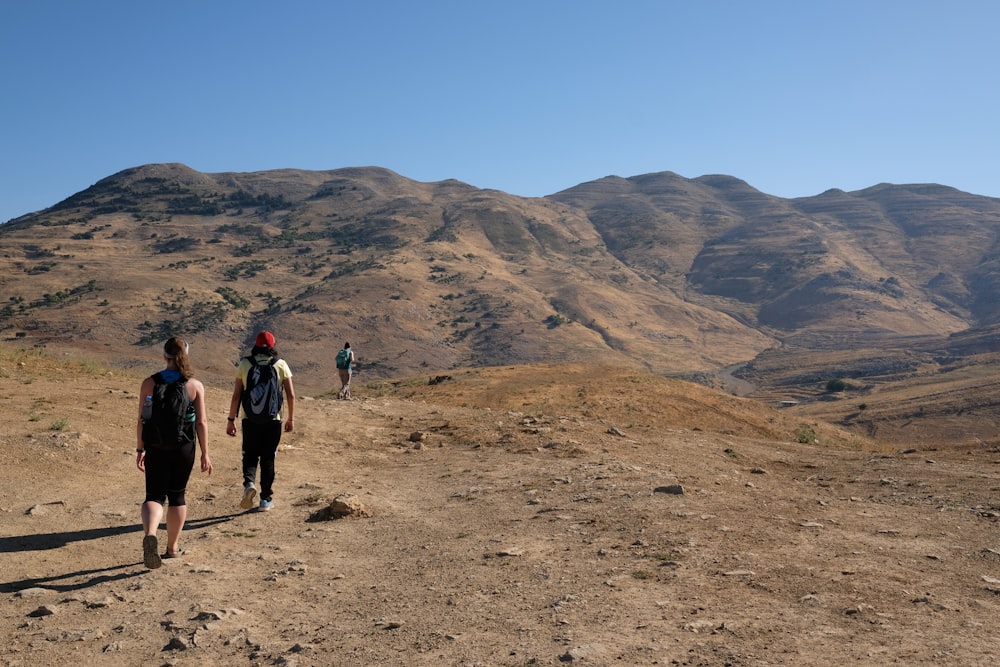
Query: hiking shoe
150, 557
265, 505
248, 496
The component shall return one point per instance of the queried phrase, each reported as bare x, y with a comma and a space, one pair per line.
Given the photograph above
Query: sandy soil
492, 537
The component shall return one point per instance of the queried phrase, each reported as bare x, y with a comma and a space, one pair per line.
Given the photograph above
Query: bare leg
175, 524
152, 513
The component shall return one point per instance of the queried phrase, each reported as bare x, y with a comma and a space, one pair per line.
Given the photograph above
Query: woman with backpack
261, 378
171, 416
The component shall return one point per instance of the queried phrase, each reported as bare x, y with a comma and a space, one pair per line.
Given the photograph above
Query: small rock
672, 489
583, 652
98, 604
44, 610
700, 626
176, 644
341, 506
207, 616
33, 592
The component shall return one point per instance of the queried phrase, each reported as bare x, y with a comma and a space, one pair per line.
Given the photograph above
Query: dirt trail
498, 538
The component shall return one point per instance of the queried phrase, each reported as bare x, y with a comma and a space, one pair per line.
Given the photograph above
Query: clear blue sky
526, 96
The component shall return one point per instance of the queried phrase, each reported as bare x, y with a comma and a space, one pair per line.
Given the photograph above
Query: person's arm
201, 425
290, 403
234, 407
146, 389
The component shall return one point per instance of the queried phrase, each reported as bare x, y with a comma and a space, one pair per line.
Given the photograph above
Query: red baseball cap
265, 339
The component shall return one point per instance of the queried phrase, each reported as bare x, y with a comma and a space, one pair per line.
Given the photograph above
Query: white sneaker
248, 496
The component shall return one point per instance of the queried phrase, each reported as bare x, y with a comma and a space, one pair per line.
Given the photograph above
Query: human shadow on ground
97, 576
42, 541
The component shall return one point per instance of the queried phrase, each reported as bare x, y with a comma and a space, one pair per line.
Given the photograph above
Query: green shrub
837, 384
805, 434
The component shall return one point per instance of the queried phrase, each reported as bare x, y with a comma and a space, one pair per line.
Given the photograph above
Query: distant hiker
261, 378
171, 416
345, 368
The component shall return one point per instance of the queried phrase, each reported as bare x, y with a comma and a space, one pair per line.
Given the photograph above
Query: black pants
260, 444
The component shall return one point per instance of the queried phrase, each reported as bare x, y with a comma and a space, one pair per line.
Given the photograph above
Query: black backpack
262, 397
168, 423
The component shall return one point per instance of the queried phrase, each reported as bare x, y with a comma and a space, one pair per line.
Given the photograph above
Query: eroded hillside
654, 272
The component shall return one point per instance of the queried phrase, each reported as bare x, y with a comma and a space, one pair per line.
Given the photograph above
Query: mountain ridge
657, 271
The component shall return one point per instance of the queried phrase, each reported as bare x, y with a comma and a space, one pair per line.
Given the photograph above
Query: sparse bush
837, 384
181, 244
233, 298
805, 434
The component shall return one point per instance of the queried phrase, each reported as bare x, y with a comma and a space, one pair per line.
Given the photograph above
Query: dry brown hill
906, 260
416, 275
683, 277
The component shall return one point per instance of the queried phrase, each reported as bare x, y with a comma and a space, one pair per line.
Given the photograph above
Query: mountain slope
656, 271
415, 275
910, 260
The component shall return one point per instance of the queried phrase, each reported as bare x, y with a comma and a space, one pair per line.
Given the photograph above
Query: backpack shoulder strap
157, 378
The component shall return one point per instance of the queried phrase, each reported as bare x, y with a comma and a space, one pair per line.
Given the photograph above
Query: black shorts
167, 474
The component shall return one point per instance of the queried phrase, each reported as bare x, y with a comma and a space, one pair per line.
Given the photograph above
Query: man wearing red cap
261, 436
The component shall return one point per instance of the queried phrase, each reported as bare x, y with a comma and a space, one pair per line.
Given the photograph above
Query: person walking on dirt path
166, 454
345, 369
263, 384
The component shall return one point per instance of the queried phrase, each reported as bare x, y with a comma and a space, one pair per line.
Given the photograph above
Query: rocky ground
492, 532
